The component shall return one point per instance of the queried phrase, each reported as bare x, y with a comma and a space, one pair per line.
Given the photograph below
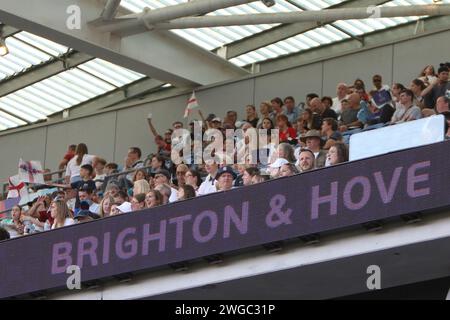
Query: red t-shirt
44, 216
69, 155
290, 133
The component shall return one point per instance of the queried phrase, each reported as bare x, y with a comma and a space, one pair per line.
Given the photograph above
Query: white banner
397, 137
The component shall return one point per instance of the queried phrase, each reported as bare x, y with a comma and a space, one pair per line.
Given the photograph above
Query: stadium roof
74, 83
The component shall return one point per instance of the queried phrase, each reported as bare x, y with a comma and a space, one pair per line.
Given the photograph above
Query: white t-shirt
173, 195
73, 169
207, 186
337, 106
67, 222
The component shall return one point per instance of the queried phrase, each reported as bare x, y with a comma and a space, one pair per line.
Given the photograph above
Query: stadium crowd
312, 134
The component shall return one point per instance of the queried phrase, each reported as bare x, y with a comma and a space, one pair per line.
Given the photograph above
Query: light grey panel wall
96, 131
411, 56
28, 145
296, 82
359, 65
132, 127
233, 96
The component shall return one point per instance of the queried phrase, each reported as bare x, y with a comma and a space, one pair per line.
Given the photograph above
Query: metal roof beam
42, 72
8, 31
110, 9
159, 54
285, 31
139, 22
304, 16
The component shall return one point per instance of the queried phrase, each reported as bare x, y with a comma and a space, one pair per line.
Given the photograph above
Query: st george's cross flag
31, 171
16, 188
192, 104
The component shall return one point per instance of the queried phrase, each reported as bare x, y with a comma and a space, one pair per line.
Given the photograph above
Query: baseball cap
163, 172
216, 119
125, 207
278, 163
226, 169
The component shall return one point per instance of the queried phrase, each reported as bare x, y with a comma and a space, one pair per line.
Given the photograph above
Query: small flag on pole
192, 105
31, 171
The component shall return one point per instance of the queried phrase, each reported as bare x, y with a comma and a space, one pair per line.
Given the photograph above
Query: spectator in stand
133, 161
309, 98
314, 142
274, 168
330, 132
61, 215
186, 192
317, 109
73, 166
437, 88
305, 122
349, 116
14, 226
140, 174
105, 206
260, 178
341, 92
396, 89
248, 174
442, 104
208, 185
286, 132
138, 202
381, 94
120, 197
153, 198
231, 118
141, 186
193, 178
111, 168
39, 213
446, 114
86, 181
417, 86
112, 189
428, 75
286, 151
306, 161
4, 235
338, 153
327, 112
291, 111
67, 157
216, 123
267, 124
225, 177
164, 148
408, 111
265, 108
165, 190
85, 194
100, 174
162, 176
252, 115
358, 83
277, 107
157, 163
180, 174
288, 170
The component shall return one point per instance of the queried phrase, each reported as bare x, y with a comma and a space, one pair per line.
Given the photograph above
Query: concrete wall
110, 134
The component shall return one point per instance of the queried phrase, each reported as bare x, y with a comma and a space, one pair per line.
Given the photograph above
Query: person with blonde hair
141, 186
60, 213
105, 206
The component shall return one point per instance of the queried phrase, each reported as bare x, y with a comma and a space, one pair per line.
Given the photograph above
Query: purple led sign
327, 199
